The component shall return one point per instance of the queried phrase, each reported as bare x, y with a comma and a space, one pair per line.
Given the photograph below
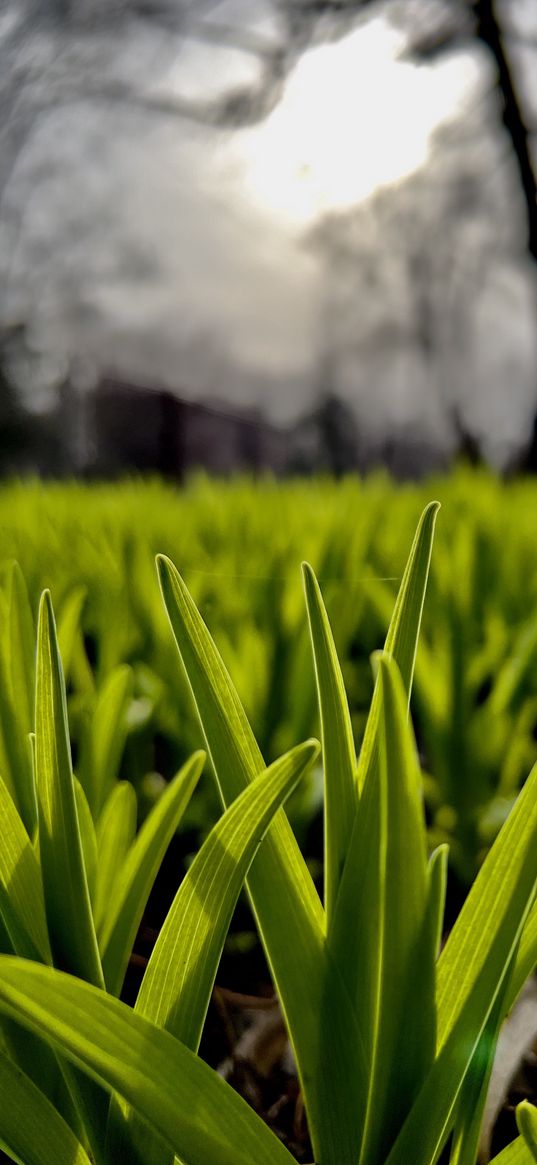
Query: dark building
155, 430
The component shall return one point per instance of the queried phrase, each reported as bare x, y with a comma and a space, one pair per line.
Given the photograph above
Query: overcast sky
178, 253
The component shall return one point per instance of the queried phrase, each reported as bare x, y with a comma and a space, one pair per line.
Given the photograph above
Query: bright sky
353, 117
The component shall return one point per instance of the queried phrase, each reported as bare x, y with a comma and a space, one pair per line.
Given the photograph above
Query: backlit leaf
138, 872
200, 1116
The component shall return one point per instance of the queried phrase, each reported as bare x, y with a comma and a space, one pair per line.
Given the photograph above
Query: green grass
239, 546
393, 1038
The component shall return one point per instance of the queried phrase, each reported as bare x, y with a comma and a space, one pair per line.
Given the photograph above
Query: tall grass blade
438, 868
473, 1095
177, 984
473, 968
403, 632
405, 965
115, 834
499, 898
88, 838
289, 914
17, 672
21, 650
69, 626
22, 904
526, 958
138, 872
107, 736
401, 643
339, 757
69, 917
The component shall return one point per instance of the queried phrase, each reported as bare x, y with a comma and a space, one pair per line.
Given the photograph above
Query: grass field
392, 974
239, 546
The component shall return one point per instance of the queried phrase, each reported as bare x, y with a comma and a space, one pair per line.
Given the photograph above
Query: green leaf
35, 1059
438, 868
404, 1006
526, 958
517, 1153
177, 984
70, 923
526, 1119
107, 730
31, 1130
116, 830
139, 870
471, 971
199, 1115
69, 626
87, 837
401, 643
363, 931
17, 671
22, 904
339, 757
493, 913
232, 746
291, 920
474, 1091
21, 650
403, 632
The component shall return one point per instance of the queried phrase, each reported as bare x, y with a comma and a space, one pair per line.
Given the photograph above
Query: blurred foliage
239, 546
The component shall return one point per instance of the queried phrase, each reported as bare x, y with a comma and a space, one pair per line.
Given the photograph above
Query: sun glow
353, 117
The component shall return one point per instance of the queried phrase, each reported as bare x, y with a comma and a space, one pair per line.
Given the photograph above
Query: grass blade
107, 733
69, 626
364, 933
401, 643
234, 751
438, 868
69, 918
288, 910
115, 834
139, 869
177, 984
405, 964
403, 632
503, 883
87, 837
22, 904
200, 1116
21, 649
473, 1096
473, 968
339, 757
31, 1130
17, 671
526, 958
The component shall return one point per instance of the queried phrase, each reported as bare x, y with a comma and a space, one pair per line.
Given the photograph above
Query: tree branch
489, 33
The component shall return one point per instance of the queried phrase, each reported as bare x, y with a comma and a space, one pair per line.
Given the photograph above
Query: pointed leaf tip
526, 1119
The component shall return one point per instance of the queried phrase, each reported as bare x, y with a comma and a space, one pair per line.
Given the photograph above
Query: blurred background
281, 235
